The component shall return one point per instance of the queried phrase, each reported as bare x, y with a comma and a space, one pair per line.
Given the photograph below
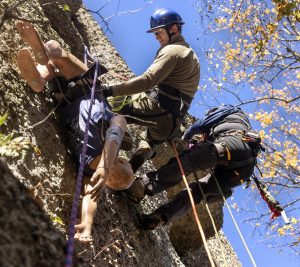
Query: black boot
136, 192
152, 221
126, 141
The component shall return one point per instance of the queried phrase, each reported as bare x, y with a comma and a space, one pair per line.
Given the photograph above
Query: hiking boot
126, 142
136, 192
143, 153
151, 221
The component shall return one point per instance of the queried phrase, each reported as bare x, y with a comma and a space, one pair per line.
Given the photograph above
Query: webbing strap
172, 91
173, 100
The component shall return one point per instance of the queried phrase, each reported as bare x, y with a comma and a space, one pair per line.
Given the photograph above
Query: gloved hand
106, 90
185, 137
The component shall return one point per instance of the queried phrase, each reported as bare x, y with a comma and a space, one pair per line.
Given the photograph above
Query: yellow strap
228, 153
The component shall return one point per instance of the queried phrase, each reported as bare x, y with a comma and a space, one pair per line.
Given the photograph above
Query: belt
174, 93
172, 100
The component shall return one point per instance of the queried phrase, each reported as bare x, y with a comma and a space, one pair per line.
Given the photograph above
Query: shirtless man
103, 167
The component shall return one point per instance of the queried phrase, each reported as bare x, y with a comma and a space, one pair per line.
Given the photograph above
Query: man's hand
98, 180
185, 137
106, 90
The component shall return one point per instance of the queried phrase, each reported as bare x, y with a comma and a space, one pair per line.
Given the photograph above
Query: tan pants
147, 108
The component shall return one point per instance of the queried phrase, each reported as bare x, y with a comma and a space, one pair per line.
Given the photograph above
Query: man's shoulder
174, 49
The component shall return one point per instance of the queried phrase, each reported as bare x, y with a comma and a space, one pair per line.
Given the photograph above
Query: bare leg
88, 210
68, 65
30, 36
51, 53
46, 71
35, 76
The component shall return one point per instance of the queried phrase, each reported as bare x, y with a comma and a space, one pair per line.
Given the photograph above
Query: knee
115, 133
119, 121
54, 49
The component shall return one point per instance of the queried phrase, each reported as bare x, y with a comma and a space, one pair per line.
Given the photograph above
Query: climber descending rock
102, 165
228, 147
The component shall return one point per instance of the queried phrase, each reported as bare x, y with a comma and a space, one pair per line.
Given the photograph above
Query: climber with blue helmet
164, 92
164, 19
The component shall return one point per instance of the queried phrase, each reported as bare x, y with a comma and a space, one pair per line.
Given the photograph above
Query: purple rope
70, 248
86, 55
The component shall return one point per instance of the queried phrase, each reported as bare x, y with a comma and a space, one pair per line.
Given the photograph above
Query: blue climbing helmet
164, 17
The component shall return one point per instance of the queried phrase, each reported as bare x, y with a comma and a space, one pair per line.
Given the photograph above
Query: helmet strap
169, 34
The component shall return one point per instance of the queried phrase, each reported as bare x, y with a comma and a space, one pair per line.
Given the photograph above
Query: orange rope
193, 207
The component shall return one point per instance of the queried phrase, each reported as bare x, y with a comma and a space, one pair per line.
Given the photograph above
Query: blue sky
138, 49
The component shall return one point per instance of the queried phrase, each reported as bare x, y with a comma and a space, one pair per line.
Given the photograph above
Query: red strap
275, 212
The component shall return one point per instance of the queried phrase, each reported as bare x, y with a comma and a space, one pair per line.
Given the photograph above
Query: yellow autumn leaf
273, 226
294, 220
281, 232
37, 151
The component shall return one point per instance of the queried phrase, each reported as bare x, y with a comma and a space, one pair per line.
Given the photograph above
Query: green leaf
3, 119
56, 219
66, 8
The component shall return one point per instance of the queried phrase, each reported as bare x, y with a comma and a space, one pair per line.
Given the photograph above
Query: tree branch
7, 14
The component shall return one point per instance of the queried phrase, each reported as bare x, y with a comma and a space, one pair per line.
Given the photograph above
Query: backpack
213, 117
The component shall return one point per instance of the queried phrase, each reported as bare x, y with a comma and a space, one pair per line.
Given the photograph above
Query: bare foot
46, 71
29, 71
84, 232
30, 36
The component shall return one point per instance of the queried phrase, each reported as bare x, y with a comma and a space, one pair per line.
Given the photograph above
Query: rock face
27, 237
34, 227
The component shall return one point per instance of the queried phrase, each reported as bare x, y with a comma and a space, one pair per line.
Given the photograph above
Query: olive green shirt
175, 65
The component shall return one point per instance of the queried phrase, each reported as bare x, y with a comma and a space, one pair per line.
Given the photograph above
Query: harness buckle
71, 84
223, 153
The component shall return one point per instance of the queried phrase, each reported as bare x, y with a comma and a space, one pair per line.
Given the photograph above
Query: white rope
235, 223
200, 228
212, 221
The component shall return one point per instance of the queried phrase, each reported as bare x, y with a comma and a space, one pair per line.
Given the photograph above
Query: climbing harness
193, 207
70, 246
173, 100
251, 137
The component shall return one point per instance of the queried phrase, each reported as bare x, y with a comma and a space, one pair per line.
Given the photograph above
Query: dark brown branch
101, 18
7, 14
287, 101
